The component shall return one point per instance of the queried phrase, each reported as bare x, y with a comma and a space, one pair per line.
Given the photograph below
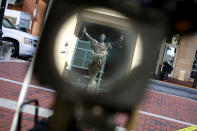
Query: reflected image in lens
95, 48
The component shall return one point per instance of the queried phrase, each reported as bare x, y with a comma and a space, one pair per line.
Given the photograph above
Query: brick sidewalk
16, 71
170, 106
148, 123
11, 91
157, 103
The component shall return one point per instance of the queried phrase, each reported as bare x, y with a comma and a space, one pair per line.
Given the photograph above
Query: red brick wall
28, 7
40, 16
14, 7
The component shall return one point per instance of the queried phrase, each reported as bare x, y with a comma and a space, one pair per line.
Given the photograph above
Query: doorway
168, 53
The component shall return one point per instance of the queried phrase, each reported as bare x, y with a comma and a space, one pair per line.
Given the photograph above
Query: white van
24, 43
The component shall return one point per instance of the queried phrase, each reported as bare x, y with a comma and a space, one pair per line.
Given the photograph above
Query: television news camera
147, 21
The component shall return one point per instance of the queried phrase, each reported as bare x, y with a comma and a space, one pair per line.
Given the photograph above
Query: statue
99, 50
176, 39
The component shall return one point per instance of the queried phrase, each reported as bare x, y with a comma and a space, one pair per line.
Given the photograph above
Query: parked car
24, 43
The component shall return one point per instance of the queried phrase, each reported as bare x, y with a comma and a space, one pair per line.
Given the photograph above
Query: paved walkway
176, 112
158, 111
12, 74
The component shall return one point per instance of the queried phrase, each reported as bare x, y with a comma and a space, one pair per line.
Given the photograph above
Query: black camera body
151, 20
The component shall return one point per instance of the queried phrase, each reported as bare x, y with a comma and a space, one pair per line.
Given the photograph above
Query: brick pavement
170, 106
15, 71
148, 123
154, 102
11, 91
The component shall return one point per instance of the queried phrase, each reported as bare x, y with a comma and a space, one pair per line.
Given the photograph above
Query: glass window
84, 45
194, 67
80, 53
89, 55
170, 54
87, 62
171, 51
78, 62
7, 24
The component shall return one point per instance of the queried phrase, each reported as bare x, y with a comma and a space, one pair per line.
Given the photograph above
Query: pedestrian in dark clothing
167, 69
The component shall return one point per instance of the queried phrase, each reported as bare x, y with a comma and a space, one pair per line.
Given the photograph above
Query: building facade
178, 50
181, 55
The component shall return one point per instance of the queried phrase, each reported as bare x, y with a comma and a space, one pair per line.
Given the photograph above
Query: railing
21, 109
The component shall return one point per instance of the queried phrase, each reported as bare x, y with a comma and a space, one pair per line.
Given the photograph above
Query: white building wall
66, 35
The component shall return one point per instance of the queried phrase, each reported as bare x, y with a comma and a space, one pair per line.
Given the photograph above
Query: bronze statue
99, 51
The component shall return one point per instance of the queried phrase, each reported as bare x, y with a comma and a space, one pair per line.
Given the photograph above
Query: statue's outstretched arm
87, 35
108, 45
119, 41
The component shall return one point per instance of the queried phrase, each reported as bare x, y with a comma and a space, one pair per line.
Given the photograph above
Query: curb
172, 85
173, 89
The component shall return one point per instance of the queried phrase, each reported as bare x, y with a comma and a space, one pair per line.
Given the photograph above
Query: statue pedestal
92, 87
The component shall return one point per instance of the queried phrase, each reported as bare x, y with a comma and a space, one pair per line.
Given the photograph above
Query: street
159, 111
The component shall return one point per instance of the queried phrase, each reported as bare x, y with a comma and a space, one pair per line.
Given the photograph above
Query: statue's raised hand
121, 37
84, 30
83, 33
